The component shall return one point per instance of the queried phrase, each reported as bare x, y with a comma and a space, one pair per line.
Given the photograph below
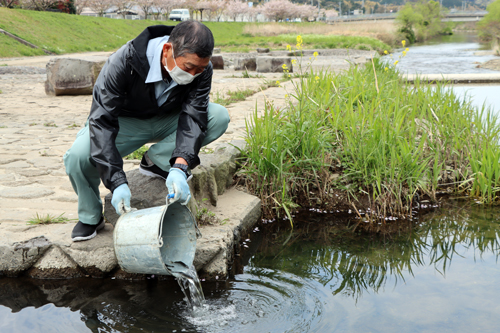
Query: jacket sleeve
108, 97
193, 120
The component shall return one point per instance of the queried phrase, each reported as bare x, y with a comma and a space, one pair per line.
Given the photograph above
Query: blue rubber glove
177, 185
121, 199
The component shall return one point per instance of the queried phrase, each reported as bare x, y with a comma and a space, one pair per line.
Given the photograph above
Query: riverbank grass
63, 33
368, 135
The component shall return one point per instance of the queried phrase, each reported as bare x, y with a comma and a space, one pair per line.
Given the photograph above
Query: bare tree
145, 6
40, 5
79, 5
122, 6
99, 6
7, 3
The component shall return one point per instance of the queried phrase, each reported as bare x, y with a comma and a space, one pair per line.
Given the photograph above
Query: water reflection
441, 276
351, 265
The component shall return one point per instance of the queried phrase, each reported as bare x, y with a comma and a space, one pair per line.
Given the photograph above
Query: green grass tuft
49, 219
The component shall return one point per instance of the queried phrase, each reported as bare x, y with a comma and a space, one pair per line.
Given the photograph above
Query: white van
179, 15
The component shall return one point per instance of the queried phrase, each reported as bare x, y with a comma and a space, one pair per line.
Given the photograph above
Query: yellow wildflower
315, 54
286, 96
278, 82
404, 53
386, 69
407, 49
298, 46
396, 62
316, 78
294, 61
284, 66
288, 47
403, 42
385, 52
299, 39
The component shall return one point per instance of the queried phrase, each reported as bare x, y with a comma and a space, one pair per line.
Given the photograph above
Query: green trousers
133, 134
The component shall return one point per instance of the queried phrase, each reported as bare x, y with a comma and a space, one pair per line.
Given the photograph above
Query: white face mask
178, 75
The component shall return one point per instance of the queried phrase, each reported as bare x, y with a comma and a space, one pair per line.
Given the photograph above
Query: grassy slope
62, 33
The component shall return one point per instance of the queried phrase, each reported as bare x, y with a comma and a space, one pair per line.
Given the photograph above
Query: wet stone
24, 192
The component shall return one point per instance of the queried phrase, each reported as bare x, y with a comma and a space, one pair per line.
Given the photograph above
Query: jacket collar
140, 44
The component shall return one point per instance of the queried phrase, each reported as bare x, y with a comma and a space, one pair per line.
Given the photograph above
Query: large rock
217, 62
273, 64
66, 76
248, 64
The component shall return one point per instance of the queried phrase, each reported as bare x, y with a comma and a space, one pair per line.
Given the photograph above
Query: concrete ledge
46, 251
453, 78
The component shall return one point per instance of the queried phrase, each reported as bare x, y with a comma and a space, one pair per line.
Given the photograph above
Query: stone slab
273, 64
23, 247
454, 78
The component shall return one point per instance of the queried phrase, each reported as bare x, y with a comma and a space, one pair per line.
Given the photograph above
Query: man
153, 89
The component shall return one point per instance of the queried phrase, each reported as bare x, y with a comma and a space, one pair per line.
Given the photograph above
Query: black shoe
150, 169
83, 231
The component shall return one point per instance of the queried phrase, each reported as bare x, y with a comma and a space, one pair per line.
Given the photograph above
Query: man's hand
121, 199
178, 186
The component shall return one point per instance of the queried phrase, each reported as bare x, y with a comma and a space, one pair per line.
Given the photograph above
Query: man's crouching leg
161, 152
218, 121
85, 180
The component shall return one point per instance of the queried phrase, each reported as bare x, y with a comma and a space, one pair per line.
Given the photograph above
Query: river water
440, 276
455, 54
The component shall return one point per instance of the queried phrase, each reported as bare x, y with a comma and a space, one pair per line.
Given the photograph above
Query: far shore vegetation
62, 33
489, 25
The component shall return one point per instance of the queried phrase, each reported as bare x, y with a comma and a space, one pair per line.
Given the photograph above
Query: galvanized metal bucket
158, 240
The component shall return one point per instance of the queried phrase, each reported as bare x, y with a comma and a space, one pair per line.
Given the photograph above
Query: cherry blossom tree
329, 13
216, 8
166, 6
189, 4
277, 9
252, 13
236, 8
307, 11
201, 6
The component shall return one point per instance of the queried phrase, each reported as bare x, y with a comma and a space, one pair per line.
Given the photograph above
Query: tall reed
391, 142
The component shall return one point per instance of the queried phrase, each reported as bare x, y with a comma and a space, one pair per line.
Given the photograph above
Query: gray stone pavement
35, 132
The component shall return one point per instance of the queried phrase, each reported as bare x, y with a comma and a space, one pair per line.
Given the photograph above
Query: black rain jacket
120, 91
